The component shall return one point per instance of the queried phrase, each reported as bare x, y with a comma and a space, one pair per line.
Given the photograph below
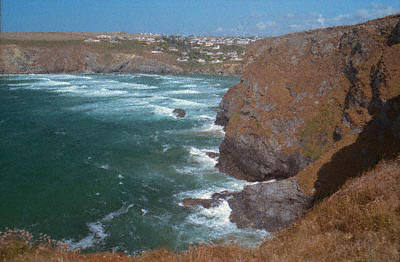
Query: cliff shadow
379, 140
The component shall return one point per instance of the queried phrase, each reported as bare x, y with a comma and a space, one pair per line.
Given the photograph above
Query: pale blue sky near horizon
189, 17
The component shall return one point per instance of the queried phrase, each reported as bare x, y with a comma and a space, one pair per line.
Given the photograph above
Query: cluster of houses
212, 57
213, 41
206, 49
108, 38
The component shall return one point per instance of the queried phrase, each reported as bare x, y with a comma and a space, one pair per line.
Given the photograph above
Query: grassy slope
360, 222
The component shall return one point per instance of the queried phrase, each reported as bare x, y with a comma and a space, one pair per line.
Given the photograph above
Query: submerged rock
193, 202
179, 112
214, 201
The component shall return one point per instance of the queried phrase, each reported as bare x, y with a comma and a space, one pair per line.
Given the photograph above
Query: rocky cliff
301, 94
323, 102
74, 58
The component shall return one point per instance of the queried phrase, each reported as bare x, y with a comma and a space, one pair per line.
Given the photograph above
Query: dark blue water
100, 161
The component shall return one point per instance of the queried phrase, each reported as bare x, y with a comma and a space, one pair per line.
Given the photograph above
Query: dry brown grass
361, 222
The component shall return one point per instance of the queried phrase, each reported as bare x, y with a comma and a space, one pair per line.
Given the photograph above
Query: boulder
193, 202
179, 112
212, 154
214, 201
268, 205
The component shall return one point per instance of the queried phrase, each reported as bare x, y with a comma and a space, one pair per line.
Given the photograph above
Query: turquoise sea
102, 163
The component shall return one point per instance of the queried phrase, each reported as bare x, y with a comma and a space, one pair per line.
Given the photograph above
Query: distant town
191, 49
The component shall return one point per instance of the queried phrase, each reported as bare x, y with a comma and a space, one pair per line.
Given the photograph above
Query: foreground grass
360, 222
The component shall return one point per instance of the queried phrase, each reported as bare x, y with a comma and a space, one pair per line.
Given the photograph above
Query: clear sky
189, 17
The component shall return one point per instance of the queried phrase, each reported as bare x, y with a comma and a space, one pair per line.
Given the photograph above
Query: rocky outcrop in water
268, 205
179, 112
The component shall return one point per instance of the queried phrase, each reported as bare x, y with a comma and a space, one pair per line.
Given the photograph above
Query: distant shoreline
121, 53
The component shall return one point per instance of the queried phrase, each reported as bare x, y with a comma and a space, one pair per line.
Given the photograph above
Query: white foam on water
200, 163
84, 90
112, 215
97, 231
184, 92
44, 83
67, 76
186, 102
201, 157
210, 127
214, 224
175, 82
232, 185
19, 85
204, 193
157, 76
206, 117
214, 217
105, 92
49, 83
156, 98
104, 166
135, 86
166, 147
215, 128
97, 234
163, 110
190, 85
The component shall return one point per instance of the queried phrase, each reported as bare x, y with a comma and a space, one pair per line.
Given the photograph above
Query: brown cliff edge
321, 106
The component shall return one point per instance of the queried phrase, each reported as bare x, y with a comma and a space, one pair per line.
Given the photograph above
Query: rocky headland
312, 110
39, 53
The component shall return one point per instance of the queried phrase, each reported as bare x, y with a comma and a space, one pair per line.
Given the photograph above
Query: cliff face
303, 94
71, 53
69, 58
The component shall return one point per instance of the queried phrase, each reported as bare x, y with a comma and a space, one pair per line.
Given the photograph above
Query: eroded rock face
252, 159
302, 93
269, 205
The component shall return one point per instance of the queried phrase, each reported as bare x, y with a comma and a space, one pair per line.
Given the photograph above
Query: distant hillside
119, 53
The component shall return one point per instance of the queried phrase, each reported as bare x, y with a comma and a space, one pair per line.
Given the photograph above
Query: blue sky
189, 17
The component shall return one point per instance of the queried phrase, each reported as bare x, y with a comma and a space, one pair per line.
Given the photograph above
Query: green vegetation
128, 47
41, 43
317, 136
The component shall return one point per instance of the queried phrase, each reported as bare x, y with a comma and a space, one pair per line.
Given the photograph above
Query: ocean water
101, 162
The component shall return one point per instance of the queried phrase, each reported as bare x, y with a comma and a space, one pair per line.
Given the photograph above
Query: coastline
332, 132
